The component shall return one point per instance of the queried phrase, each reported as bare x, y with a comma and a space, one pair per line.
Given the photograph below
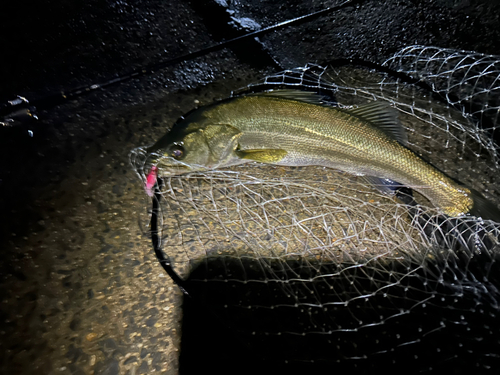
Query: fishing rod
21, 109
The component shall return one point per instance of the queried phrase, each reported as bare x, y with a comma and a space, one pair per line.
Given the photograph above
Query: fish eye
177, 152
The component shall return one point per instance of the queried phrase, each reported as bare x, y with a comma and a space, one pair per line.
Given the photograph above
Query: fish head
195, 147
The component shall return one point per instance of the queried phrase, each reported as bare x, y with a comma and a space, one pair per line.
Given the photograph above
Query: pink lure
151, 180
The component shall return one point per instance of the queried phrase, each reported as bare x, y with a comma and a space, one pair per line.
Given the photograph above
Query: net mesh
292, 256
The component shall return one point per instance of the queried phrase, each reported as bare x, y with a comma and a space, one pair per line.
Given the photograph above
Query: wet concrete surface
82, 292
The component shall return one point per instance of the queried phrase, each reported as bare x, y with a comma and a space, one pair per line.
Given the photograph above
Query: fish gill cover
312, 266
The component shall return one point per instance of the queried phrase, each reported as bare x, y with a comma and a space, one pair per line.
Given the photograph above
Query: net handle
156, 240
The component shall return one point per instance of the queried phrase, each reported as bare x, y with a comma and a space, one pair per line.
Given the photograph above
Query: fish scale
293, 128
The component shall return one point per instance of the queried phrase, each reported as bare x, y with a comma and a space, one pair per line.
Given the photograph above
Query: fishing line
18, 108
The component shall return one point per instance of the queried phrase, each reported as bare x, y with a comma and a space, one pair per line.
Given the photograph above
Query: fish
295, 128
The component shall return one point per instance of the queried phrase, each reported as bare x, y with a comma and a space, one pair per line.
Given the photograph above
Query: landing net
329, 250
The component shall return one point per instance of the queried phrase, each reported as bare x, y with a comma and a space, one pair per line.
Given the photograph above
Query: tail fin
484, 208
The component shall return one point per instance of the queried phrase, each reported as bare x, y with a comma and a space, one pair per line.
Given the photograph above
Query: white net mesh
313, 252
468, 81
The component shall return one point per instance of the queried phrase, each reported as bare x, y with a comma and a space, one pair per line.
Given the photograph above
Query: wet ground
82, 292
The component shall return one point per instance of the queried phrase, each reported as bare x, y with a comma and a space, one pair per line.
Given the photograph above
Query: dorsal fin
384, 117
299, 95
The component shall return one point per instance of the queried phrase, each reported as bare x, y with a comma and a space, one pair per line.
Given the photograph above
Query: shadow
264, 316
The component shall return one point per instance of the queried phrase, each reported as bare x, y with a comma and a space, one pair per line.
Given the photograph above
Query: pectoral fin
262, 156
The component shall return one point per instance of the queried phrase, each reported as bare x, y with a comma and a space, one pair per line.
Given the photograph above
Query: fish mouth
167, 166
